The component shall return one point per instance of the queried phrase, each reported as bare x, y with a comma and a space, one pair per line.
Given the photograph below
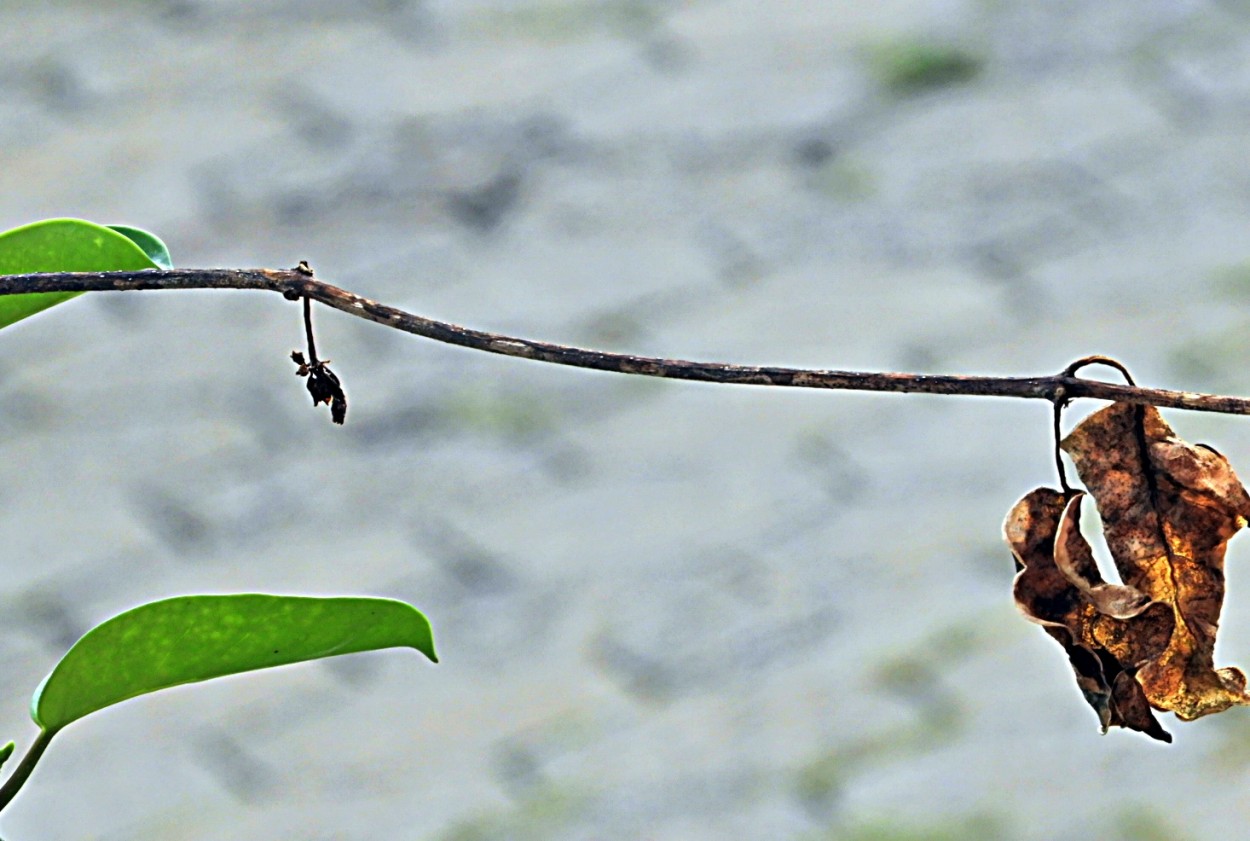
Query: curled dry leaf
1105, 649
1168, 510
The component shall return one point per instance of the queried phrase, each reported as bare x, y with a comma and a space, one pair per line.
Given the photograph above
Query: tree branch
299, 283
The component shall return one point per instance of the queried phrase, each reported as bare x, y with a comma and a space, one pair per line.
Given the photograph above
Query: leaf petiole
22, 772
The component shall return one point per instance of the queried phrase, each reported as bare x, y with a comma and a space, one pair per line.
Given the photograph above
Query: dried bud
323, 385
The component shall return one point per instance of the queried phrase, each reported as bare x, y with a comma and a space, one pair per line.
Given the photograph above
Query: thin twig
312, 343
297, 283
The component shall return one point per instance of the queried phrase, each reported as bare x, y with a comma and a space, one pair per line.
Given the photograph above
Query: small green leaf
151, 244
62, 245
193, 638
6, 752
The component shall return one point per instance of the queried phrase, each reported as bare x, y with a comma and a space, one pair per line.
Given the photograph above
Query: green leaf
62, 245
151, 244
6, 752
193, 638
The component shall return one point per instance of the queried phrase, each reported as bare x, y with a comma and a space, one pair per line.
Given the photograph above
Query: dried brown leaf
1101, 648
1168, 510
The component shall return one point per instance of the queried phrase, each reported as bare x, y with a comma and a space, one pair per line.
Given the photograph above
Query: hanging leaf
1104, 650
65, 245
1168, 510
149, 242
194, 638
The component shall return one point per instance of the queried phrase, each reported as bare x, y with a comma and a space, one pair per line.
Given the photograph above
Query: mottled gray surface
666, 611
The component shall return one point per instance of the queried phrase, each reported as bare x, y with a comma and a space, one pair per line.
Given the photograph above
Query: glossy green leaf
62, 245
193, 638
149, 242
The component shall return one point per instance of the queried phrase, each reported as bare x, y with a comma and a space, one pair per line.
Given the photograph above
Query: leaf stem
297, 283
20, 774
312, 343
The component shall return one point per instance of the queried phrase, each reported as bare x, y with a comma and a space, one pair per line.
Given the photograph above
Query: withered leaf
1102, 648
1168, 510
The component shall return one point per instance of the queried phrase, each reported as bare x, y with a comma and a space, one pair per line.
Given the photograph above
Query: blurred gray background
666, 611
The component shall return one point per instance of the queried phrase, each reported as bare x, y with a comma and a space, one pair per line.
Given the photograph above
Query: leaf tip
426, 645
